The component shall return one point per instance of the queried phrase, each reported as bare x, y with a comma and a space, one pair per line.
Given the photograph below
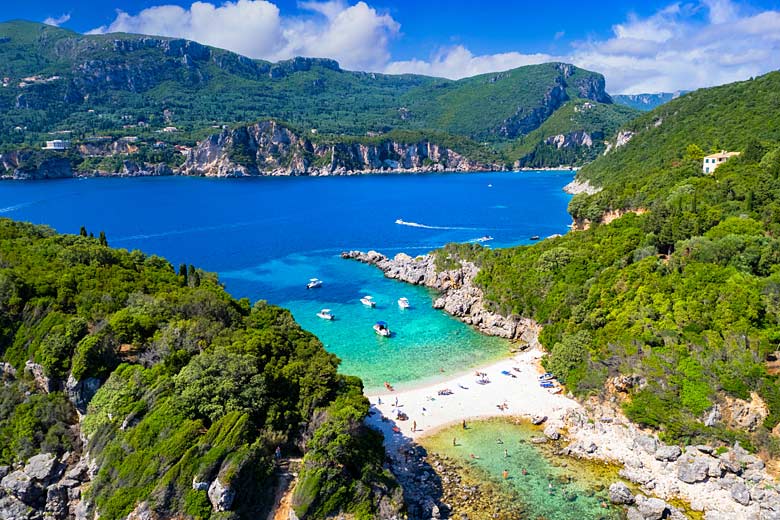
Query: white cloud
58, 20
682, 46
357, 36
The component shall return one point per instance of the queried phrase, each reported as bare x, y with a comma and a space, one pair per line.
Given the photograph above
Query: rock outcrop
581, 186
33, 165
271, 148
572, 139
458, 294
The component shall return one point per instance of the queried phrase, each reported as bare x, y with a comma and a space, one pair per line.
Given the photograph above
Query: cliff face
32, 164
269, 148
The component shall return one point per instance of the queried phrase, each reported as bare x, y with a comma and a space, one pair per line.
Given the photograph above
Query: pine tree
83, 231
102, 239
183, 273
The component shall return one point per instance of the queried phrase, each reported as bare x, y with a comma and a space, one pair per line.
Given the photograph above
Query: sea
267, 236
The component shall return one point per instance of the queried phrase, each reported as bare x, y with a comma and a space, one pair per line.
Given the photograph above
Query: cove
267, 236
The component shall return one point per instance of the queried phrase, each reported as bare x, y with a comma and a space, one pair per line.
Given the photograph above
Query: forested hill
55, 80
180, 393
672, 310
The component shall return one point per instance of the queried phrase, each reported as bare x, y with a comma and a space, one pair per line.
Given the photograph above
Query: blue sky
644, 46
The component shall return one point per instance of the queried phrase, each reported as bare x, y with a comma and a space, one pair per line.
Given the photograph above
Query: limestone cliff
271, 148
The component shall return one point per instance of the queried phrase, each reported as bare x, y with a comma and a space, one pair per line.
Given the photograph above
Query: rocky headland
459, 296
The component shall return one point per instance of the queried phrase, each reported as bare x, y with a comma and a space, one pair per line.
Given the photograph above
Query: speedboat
368, 301
546, 376
325, 314
485, 238
535, 237
381, 329
314, 283
403, 303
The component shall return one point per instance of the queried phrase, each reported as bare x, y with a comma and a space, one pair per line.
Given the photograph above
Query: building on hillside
57, 144
713, 161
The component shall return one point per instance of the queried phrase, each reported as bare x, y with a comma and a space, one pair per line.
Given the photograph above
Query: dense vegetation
127, 85
684, 296
197, 386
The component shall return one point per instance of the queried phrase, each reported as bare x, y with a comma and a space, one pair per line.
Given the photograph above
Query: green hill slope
672, 311
119, 84
196, 391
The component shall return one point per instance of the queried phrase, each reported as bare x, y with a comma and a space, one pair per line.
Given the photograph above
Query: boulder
11, 508
538, 419
81, 392
740, 493
42, 467
691, 470
56, 502
551, 432
4, 470
20, 485
620, 494
648, 443
199, 485
652, 508
221, 496
668, 453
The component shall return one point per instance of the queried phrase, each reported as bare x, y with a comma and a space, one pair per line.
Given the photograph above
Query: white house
713, 161
57, 144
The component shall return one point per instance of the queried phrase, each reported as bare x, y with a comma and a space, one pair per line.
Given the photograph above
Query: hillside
672, 310
646, 102
130, 386
83, 86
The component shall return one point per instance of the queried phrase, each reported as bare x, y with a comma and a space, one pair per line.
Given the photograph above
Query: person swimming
505, 474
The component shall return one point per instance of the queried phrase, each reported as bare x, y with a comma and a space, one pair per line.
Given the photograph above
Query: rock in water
620, 494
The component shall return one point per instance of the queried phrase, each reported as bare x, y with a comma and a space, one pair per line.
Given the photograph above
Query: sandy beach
518, 394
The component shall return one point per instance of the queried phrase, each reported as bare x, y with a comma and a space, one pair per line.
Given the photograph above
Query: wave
9, 209
426, 226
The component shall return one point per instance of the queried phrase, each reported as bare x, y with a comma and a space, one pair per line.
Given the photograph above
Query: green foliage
684, 297
221, 383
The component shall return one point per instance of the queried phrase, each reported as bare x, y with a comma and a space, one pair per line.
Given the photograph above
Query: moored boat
381, 329
403, 303
368, 301
325, 314
314, 283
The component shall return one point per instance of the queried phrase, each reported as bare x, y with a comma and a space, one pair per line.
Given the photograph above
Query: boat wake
425, 226
9, 209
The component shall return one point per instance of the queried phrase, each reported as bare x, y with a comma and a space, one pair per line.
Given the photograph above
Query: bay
267, 236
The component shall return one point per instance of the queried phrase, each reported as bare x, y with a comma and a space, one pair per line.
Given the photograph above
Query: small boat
368, 301
403, 303
485, 238
547, 384
535, 237
314, 283
546, 376
325, 314
381, 329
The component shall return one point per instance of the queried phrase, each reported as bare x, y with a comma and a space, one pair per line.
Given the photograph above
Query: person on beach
378, 400
464, 424
414, 426
453, 442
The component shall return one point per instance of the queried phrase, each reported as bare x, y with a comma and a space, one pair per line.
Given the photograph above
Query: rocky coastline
721, 483
458, 296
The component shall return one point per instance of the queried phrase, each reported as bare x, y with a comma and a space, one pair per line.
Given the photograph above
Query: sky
648, 46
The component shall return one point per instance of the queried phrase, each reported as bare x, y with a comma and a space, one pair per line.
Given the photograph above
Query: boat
546, 376
368, 301
314, 283
535, 237
485, 238
381, 329
325, 314
403, 303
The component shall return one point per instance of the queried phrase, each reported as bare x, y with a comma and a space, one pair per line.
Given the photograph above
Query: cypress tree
183, 273
102, 239
83, 231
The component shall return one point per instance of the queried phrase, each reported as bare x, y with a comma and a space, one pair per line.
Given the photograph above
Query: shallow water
267, 236
553, 488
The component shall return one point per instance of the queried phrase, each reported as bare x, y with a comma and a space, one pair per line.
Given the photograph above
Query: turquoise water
267, 236
553, 488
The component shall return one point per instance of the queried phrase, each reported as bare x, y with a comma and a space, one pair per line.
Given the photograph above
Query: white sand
469, 400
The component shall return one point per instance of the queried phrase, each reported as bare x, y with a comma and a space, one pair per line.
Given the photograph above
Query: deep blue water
267, 236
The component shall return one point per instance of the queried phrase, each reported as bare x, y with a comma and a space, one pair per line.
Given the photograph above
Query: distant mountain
647, 102
55, 80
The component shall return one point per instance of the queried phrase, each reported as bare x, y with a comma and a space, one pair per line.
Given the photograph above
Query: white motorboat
368, 301
325, 314
381, 329
403, 303
314, 283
